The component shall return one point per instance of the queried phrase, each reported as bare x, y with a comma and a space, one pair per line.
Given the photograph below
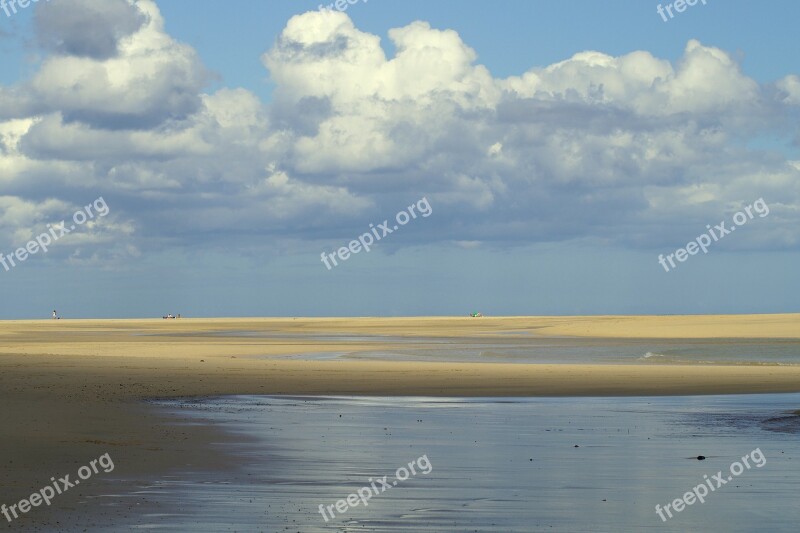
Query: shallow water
497, 465
601, 351
519, 348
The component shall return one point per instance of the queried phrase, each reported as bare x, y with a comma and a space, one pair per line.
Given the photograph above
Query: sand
72, 390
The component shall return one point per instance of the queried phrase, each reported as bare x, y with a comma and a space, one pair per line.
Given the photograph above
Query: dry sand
72, 390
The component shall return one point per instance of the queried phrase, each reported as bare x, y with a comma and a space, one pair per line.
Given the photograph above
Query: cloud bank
629, 151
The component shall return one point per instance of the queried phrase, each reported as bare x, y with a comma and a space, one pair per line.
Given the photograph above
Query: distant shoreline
769, 325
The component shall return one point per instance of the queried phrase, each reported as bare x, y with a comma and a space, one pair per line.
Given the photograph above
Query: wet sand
73, 390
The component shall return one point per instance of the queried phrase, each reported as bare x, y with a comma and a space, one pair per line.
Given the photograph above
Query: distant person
55, 315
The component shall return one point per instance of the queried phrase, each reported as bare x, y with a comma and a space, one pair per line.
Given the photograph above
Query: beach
73, 390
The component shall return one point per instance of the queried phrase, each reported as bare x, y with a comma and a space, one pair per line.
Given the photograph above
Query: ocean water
520, 348
496, 465
599, 351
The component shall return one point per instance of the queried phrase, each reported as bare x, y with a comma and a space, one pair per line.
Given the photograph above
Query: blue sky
562, 146
509, 36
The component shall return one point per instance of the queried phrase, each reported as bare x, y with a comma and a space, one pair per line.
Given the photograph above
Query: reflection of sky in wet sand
519, 348
597, 351
524, 347
498, 465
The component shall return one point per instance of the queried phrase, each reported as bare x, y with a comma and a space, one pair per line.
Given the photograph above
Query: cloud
98, 240
62, 26
790, 89
127, 75
705, 82
627, 150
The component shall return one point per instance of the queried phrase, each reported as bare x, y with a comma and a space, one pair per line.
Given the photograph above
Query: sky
522, 157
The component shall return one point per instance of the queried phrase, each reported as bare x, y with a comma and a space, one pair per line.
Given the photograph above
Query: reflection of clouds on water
493, 457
